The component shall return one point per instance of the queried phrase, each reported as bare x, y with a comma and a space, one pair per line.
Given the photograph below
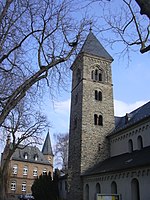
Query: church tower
92, 112
47, 150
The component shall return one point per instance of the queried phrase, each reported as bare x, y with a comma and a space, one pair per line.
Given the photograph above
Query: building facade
26, 164
105, 152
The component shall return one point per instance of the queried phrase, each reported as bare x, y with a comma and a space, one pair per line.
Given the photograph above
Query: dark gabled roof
92, 46
138, 158
132, 118
47, 148
31, 152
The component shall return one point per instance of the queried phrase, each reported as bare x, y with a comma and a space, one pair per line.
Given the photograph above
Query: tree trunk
4, 185
5, 174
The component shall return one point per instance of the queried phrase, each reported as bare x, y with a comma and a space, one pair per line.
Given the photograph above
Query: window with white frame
35, 171
13, 185
24, 187
25, 170
15, 169
44, 171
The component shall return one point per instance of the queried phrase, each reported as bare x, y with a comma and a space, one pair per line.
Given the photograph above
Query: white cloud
121, 108
62, 107
60, 116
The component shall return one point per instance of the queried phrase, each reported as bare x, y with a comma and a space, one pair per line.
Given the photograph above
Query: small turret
47, 149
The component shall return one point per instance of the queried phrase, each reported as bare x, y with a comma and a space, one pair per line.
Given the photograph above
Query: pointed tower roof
47, 148
92, 46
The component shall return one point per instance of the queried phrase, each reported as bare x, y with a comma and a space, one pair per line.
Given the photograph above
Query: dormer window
36, 157
25, 156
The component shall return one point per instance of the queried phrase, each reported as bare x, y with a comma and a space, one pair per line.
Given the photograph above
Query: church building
108, 155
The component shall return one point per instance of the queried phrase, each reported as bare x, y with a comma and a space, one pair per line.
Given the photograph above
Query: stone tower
92, 112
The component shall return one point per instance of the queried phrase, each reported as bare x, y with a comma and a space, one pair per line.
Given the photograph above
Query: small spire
47, 148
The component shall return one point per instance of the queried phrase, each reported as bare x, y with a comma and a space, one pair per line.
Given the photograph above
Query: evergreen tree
45, 188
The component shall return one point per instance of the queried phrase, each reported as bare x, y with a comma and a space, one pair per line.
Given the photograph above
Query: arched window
100, 76
92, 74
100, 120
97, 190
98, 95
130, 146
135, 189
97, 75
95, 119
113, 187
87, 192
140, 142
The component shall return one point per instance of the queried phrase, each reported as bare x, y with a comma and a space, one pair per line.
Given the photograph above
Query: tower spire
92, 46
47, 148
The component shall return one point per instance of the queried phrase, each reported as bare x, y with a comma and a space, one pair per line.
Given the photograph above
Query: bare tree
125, 24
61, 150
36, 38
23, 126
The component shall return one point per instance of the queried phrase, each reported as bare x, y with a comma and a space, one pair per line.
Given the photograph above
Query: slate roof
47, 148
138, 158
31, 152
92, 46
132, 118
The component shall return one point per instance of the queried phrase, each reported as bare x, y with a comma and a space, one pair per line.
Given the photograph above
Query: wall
119, 143
29, 178
123, 181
